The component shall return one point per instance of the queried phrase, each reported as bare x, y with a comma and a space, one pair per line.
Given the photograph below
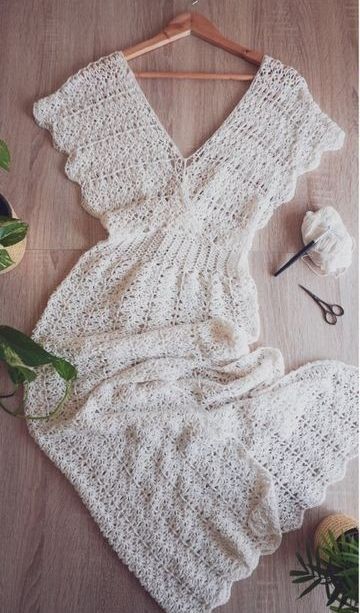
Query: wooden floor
52, 556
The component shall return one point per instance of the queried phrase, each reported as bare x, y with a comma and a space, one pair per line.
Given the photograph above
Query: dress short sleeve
82, 119
305, 132
318, 134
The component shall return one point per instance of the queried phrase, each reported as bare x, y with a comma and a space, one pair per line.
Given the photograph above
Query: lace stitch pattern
192, 453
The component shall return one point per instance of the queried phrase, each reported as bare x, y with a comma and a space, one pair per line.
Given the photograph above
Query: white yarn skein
332, 254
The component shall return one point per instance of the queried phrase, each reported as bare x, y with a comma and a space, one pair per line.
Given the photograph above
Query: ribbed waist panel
194, 253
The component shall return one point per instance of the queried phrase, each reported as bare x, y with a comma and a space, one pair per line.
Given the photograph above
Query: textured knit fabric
192, 453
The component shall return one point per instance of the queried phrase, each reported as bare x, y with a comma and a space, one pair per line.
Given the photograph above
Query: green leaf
343, 601
349, 557
4, 156
298, 573
66, 370
308, 553
17, 366
327, 589
330, 551
347, 572
320, 571
301, 561
303, 579
310, 588
352, 544
333, 597
22, 374
5, 259
332, 540
29, 352
16, 376
33, 354
11, 357
12, 231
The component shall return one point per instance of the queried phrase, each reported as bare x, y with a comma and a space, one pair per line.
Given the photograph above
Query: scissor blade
308, 292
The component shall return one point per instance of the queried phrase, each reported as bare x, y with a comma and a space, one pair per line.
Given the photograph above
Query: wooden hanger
194, 24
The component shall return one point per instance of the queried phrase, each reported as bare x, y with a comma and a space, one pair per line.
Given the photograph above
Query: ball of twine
332, 253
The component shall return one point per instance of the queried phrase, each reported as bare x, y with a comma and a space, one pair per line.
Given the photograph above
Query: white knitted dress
192, 453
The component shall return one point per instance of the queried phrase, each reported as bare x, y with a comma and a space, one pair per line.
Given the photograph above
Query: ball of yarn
332, 254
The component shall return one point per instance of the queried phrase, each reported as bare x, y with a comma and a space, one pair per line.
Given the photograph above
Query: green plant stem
11, 394
7, 410
19, 410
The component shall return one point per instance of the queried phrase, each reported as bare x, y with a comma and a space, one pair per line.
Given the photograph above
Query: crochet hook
302, 251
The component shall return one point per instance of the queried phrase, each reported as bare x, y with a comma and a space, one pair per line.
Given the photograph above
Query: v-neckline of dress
208, 141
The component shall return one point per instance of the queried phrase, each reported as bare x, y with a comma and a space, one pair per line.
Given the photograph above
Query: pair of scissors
330, 311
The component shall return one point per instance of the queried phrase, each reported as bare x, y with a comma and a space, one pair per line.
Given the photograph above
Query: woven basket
338, 524
16, 252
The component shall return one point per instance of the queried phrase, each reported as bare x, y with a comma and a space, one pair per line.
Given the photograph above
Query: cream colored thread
332, 253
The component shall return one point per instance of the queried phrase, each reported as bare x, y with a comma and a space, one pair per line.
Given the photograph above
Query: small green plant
12, 231
335, 565
23, 357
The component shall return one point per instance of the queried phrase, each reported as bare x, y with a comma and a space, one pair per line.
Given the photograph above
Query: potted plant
12, 230
334, 563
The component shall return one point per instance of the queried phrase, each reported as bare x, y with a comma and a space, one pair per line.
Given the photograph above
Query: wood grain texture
53, 558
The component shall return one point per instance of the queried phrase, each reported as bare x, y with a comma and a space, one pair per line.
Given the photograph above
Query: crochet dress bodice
192, 453
180, 229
